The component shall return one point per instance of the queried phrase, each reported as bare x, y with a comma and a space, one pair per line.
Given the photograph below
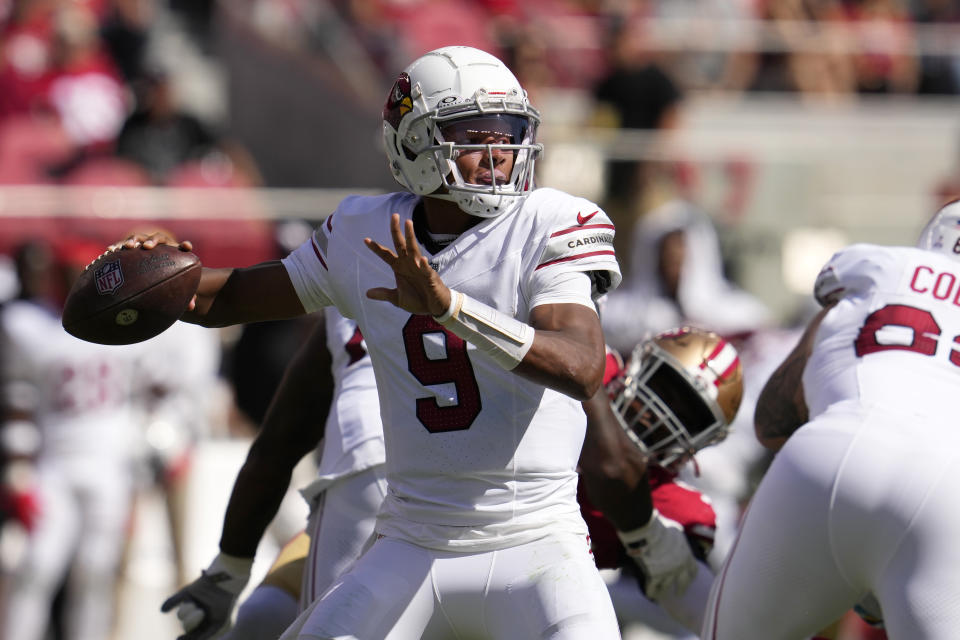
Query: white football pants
547, 589
857, 501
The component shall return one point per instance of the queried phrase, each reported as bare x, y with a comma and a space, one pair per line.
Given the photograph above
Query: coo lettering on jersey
941, 285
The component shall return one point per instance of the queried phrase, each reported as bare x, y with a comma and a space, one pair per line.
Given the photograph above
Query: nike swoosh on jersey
584, 219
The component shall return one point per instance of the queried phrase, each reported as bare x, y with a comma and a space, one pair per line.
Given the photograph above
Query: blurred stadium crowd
209, 118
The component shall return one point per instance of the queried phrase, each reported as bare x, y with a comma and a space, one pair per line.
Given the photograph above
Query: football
130, 295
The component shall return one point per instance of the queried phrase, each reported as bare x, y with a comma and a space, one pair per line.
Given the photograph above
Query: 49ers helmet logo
399, 103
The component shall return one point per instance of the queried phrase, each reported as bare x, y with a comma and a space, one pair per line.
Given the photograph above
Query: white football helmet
942, 233
458, 100
678, 394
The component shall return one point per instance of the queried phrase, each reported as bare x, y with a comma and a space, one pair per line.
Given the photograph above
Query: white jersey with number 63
893, 338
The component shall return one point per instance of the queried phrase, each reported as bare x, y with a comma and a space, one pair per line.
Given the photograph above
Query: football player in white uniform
68, 433
342, 417
860, 501
488, 344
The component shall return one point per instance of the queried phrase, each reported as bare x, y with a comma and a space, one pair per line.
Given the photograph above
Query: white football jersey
478, 457
893, 338
81, 393
353, 435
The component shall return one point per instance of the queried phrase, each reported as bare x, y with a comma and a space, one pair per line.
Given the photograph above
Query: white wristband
506, 340
456, 301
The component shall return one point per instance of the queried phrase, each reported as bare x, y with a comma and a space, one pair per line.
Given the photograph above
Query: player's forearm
257, 493
249, 294
262, 482
211, 282
613, 469
782, 408
292, 427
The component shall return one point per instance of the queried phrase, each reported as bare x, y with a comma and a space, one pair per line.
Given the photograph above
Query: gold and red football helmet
679, 392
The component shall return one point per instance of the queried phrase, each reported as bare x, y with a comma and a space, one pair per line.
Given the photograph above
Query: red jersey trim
576, 257
579, 228
316, 251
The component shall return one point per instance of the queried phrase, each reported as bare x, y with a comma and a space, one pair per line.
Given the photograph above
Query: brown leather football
130, 295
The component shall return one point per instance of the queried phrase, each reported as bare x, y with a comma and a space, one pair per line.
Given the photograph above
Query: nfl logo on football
108, 278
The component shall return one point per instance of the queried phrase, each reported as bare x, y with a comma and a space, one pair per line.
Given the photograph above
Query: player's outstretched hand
419, 289
205, 606
662, 553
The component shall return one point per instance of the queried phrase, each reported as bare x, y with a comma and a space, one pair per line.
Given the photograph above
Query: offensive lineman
860, 502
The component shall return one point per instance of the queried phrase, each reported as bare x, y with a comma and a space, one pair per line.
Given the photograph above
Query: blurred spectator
425, 25
26, 57
939, 73
884, 55
676, 277
125, 31
31, 137
840, 48
526, 52
163, 138
814, 59
66, 433
721, 23
380, 36
197, 17
637, 93
61, 97
85, 88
